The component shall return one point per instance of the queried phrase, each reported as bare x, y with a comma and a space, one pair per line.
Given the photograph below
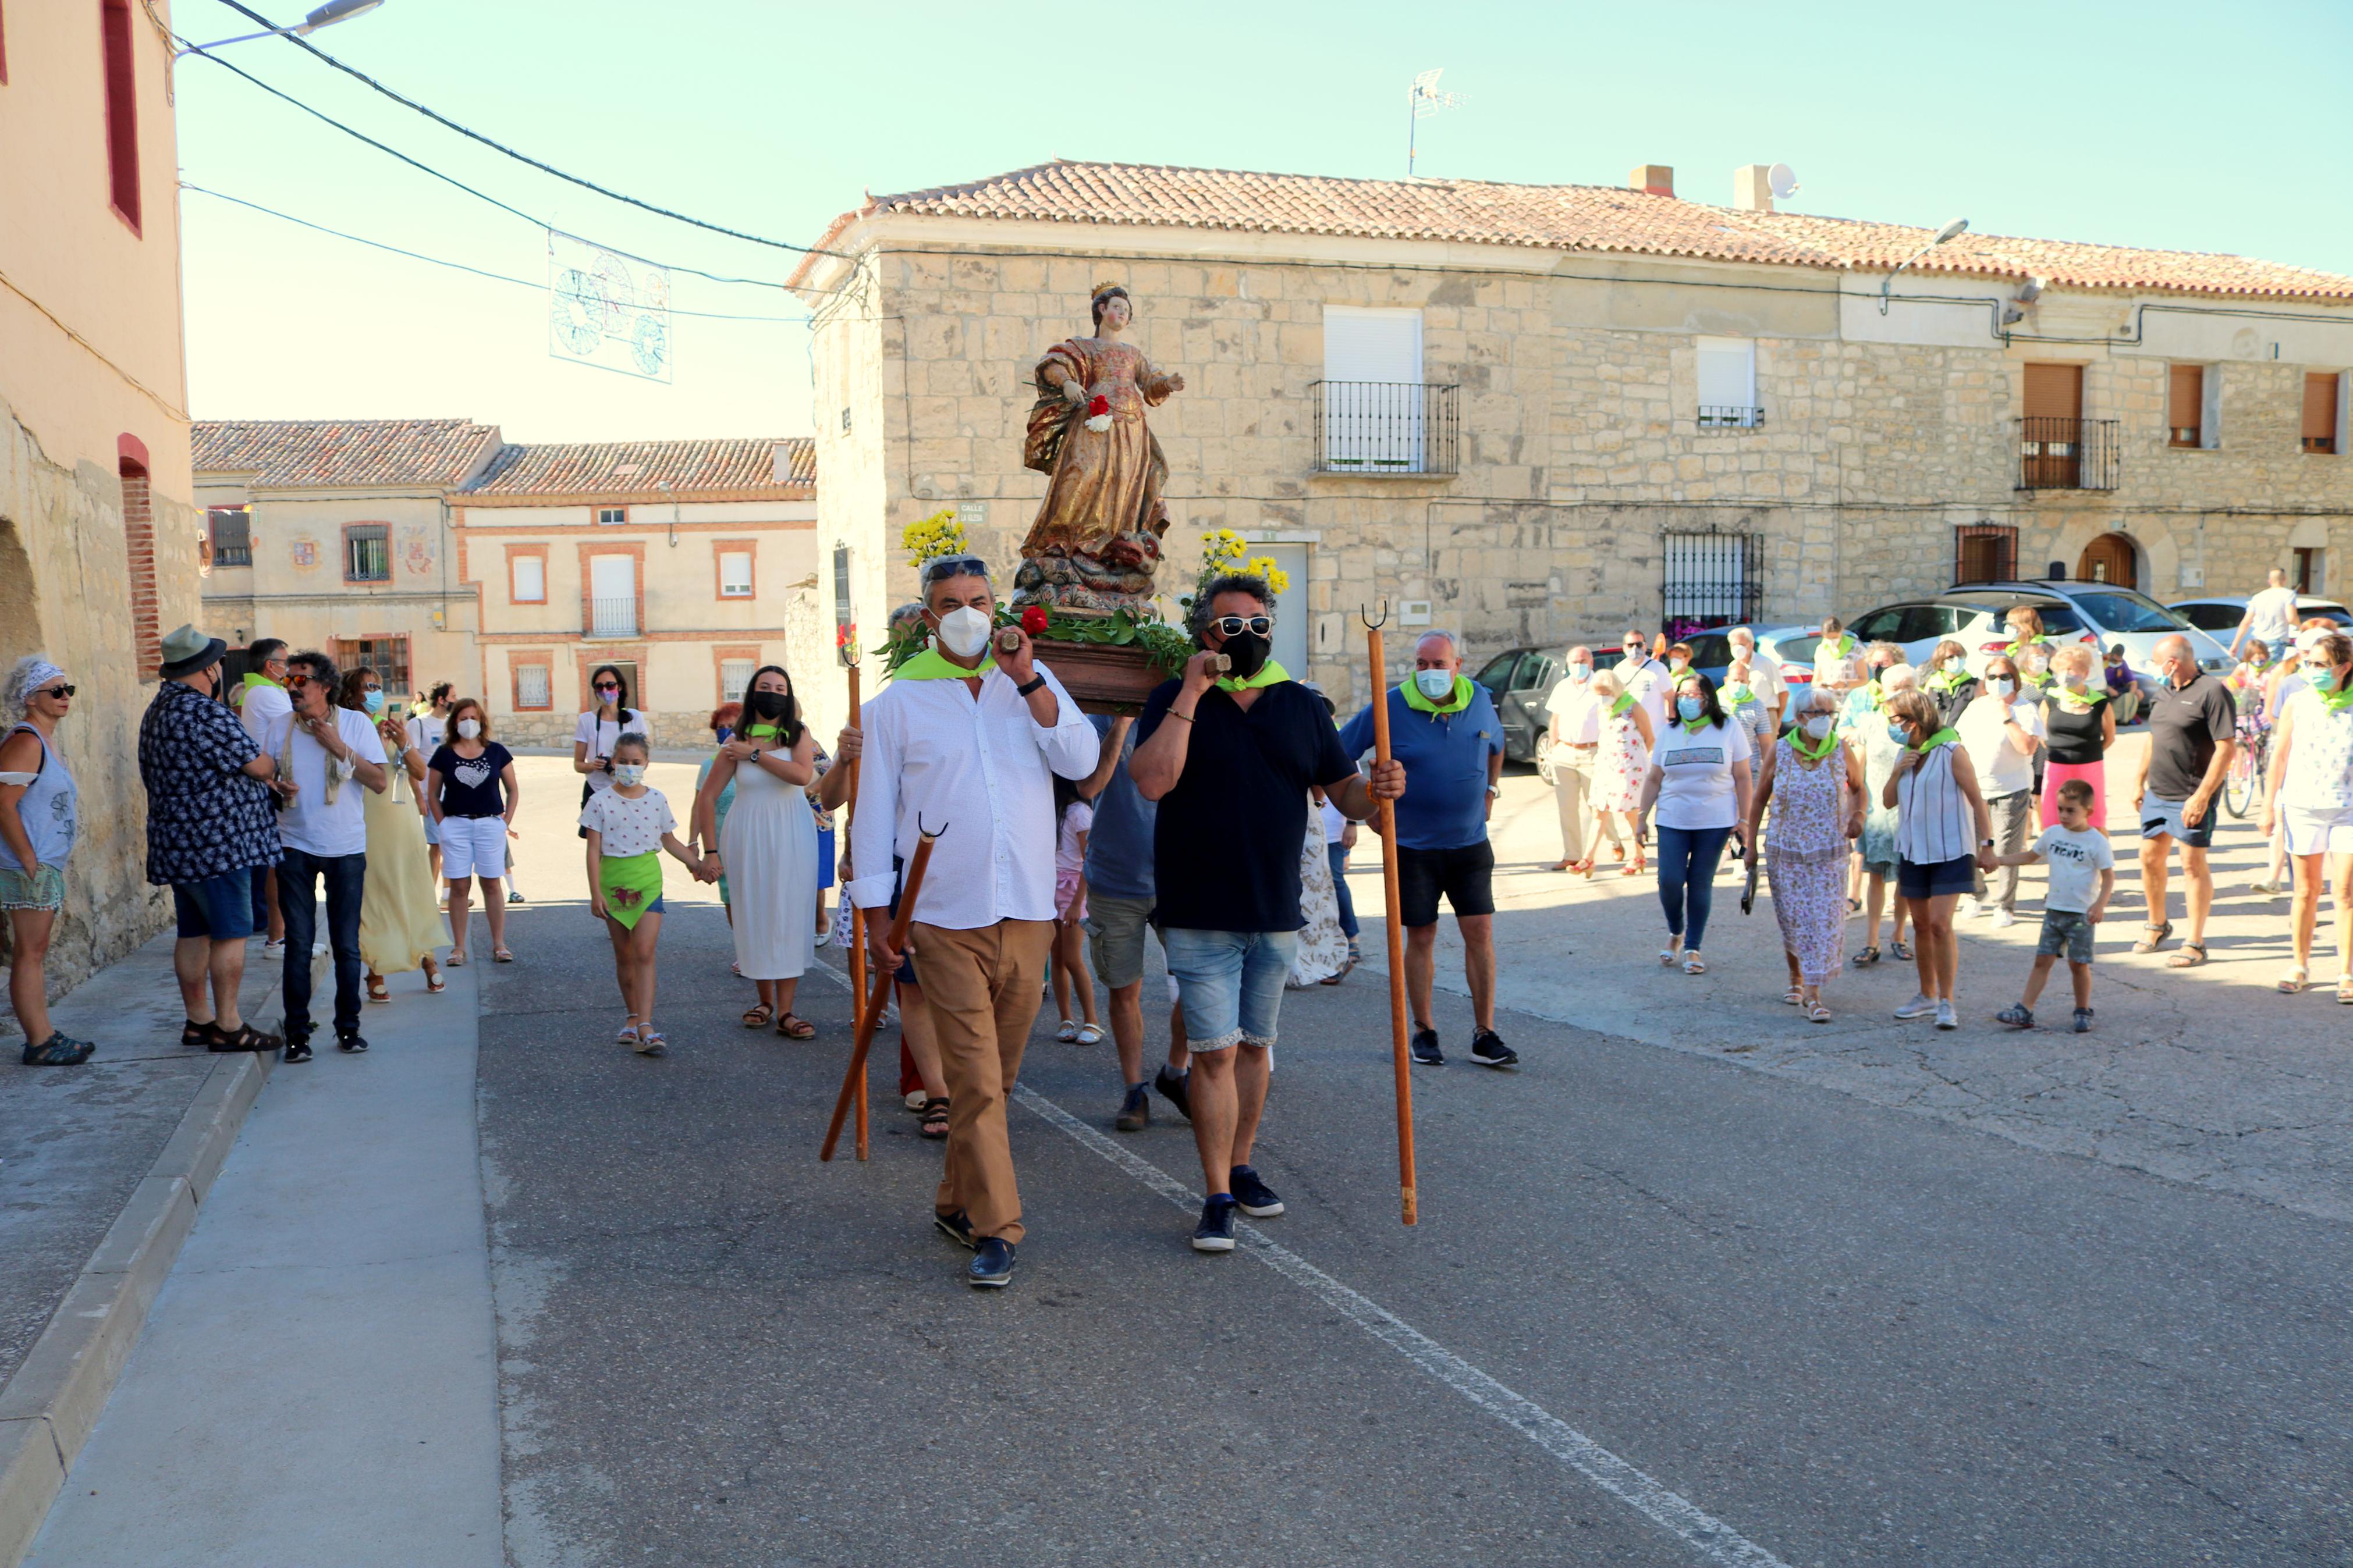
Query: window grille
1984, 553
1710, 579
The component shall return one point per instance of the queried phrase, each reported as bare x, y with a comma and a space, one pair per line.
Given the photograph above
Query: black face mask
1246, 652
773, 706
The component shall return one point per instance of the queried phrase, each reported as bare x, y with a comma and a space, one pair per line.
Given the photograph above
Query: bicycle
2243, 786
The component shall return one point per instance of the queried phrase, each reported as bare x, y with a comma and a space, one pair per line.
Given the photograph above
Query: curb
50, 1407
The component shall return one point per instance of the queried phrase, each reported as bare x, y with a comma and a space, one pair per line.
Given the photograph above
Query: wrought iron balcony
1386, 427
613, 617
2067, 454
1712, 416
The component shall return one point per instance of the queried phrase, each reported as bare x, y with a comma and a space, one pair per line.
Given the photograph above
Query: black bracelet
1033, 684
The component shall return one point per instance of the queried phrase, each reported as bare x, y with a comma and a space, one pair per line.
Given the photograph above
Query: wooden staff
1385, 818
880, 995
856, 915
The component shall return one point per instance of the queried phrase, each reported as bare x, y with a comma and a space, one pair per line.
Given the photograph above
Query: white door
1372, 390
1291, 615
613, 595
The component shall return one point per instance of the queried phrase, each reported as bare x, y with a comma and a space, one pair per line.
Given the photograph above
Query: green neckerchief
254, 678
1268, 674
1948, 680
2039, 678
1454, 704
1744, 696
2336, 701
1936, 740
1693, 726
1625, 700
1845, 644
1815, 755
931, 664
2074, 703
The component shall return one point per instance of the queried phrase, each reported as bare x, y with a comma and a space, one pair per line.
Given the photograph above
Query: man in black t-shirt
2192, 725
1230, 758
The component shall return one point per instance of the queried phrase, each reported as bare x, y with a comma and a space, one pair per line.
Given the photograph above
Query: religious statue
1096, 540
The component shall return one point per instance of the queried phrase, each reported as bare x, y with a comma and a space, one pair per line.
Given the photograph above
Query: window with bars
1710, 579
388, 656
232, 534
533, 692
367, 553
612, 514
735, 675
1984, 553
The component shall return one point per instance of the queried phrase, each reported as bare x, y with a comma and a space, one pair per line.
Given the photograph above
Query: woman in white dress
768, 846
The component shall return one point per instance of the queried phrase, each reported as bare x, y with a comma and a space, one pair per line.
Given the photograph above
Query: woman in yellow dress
399, 926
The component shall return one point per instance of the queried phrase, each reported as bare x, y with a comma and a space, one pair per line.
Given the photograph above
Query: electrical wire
439, 261
471, 134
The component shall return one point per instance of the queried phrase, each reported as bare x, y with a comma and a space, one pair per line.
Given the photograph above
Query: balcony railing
1713, 416
613, 617
1386, 427
2067, 454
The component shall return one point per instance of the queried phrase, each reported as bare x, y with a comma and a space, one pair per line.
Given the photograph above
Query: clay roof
335, 452
591, 467
1597, 218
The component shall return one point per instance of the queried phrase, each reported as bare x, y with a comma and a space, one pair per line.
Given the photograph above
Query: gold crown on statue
1103, 289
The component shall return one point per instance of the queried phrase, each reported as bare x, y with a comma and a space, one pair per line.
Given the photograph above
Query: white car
2220, 614
2100, 614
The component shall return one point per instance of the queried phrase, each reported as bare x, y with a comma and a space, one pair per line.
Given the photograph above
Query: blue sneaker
1252, 1196
1216, 1231
992, 1264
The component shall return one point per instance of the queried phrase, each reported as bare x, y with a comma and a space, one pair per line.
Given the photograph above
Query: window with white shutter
1728, 382
735, 675
734, 574
1372, 389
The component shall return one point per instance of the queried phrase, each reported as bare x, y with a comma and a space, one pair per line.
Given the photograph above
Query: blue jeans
1229, 982
1687, 859
1340, 890
299, 875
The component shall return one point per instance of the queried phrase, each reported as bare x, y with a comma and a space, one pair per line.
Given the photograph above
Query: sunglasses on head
1235, 625
954, 566
60, 691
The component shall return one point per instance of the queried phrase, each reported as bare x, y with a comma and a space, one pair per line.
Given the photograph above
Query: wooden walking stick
1385, 818
879, 998
849, 641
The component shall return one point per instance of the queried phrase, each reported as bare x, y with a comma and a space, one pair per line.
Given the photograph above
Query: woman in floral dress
1624, 759
1816, 787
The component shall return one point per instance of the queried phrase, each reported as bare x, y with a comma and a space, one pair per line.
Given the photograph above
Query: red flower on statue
1034, 618
1100, 406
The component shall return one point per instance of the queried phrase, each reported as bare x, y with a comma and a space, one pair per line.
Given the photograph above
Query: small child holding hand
2079, 858
629, 825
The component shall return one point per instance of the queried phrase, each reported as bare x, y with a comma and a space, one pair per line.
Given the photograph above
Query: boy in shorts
2079, 858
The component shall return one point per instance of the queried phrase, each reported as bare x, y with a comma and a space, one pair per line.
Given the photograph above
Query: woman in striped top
1944, 832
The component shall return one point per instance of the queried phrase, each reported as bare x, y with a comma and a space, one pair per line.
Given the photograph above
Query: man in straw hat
209, 824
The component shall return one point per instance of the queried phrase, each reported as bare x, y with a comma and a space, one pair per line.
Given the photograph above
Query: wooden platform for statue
1104, 678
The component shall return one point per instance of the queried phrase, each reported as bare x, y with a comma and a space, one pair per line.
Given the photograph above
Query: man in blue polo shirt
1444, 729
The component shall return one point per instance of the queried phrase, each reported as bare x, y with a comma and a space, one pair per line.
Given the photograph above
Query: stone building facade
99, 537
1623, 407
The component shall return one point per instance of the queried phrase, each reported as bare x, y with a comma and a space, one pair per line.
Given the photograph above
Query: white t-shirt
1766, 679
1649, 684
1077, 818
1335, 822
629, 826
262, 705
1579, 713
1695, 784
2076, 860
2001, 767
309, 824
2269, 610
601, 736
426, 732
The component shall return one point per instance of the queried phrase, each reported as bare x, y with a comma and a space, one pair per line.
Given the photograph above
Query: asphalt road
1658, 1309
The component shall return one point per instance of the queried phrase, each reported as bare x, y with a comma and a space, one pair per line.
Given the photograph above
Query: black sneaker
1176, 1089
957, 1227
1425, 1049
1135, 1111
2083, 1020
992, 1264
298, 1050
1216, 1231
1252, 1196
1487, 1048
354, 1042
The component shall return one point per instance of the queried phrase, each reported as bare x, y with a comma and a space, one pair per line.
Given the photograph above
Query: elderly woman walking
1944, 837
1625, 757
1815, 787
36, 834
2311, 795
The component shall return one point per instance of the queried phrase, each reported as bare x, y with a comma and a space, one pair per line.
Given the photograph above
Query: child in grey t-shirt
2083, 878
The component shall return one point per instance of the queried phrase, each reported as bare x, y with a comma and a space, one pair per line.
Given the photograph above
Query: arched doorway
2111, 558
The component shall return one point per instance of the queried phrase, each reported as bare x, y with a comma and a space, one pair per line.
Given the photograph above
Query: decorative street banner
607, 309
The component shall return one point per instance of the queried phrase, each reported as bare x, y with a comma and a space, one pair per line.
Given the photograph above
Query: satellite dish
1782, 179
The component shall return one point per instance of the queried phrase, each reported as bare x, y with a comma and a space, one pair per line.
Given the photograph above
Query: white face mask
628, 773
1580, 672
1436, 684
469, 727
964, 631
1816, 726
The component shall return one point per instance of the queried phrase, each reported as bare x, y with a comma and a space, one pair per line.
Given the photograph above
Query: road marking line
1715, 1541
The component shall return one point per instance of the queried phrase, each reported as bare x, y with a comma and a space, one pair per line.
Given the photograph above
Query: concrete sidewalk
317, 1380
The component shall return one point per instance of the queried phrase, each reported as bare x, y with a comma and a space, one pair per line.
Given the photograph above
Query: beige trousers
1572, 785
983, 987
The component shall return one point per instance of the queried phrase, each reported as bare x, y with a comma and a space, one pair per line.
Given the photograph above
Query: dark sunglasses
954, 566
296, 682
607, 690
1235, 625
61, 692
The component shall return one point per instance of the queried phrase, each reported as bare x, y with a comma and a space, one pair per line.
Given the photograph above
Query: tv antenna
1425, 100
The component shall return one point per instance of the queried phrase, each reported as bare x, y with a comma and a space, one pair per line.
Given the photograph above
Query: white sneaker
1920, 1006
2003, 919
1978, 909
1944, 1016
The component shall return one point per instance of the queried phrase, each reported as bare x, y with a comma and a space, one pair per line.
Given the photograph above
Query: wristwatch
1495, 789
1031, 685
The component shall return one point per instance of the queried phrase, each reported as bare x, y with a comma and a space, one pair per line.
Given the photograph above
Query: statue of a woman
1097, 536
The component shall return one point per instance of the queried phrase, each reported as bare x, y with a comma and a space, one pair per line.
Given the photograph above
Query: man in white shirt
1765, 676
967, 741
2271, 618
2000, 728
1574, 736
326, 755
1646, 677
262, 702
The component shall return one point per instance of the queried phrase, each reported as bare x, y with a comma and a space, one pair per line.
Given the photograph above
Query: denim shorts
1936, 879
2160, 817
221, 907
2066, 933
1229, 982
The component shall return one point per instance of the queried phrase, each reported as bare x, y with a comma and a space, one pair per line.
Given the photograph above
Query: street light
326, 15
1950, 231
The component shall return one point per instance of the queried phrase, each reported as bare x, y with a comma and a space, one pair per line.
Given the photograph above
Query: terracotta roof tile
587, 468
338, 452
1602, 218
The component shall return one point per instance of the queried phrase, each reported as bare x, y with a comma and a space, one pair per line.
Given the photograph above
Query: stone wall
65, 590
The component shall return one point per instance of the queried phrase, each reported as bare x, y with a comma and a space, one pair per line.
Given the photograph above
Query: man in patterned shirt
209, 824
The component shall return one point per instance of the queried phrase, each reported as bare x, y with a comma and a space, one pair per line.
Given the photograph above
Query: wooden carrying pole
880, 995
1385, 816
856, 915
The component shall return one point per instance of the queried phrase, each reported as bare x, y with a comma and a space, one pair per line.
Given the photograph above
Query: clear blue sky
2150, 122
